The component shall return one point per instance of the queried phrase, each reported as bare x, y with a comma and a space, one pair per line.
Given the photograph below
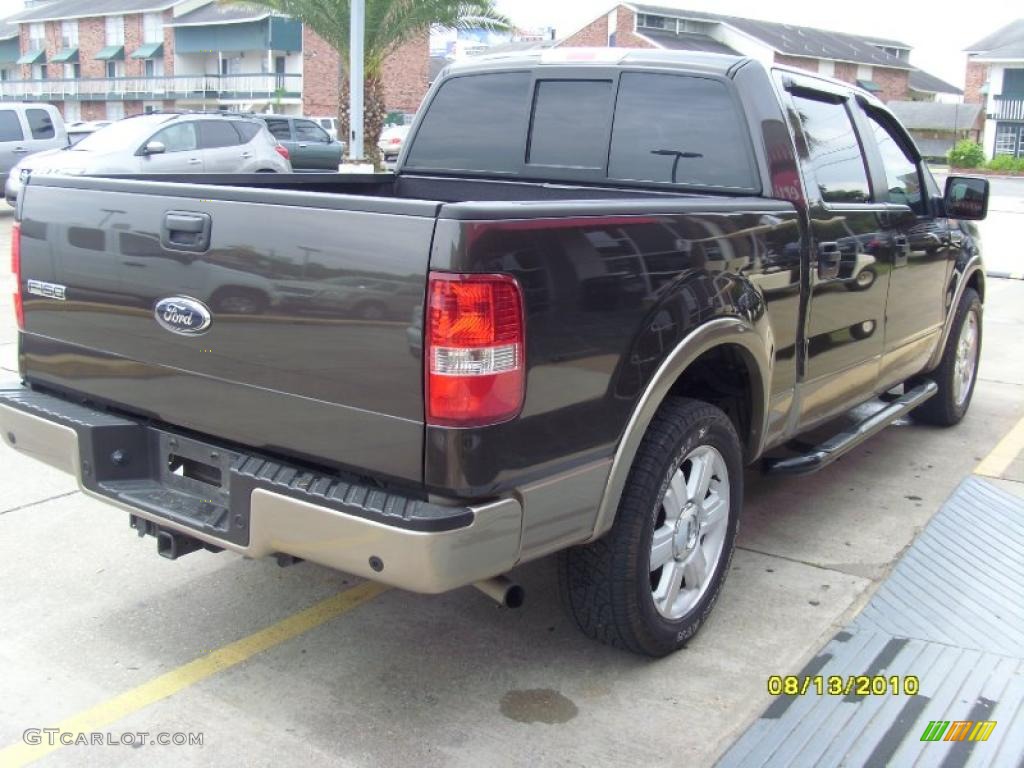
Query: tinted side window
307, 130
40, 123
217, 133
177, 138
474, 123
901, 175
570, 123
831, 149
10, 126
279, 129
247, 131
674, 128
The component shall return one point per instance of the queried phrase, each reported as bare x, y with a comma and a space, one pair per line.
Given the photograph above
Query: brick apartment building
881, 66
995, 80
104, 59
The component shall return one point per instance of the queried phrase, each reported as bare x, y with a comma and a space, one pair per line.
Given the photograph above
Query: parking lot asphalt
303, 665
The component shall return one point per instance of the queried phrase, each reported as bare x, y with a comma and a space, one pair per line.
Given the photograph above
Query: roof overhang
66, 56
148, 51
111, 53
249, 20
29, 16
33, 57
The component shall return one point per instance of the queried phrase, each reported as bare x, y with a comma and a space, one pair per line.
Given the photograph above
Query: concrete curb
1006, 275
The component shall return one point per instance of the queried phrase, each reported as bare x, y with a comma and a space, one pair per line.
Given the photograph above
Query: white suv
162, 143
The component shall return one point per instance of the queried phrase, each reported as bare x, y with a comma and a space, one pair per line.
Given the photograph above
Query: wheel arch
734, 338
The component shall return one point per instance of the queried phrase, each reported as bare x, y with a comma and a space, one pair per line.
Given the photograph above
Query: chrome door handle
194, 161
247, 155
303, 146
19, 150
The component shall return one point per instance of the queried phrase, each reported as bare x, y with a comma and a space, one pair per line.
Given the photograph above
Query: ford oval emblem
182, 315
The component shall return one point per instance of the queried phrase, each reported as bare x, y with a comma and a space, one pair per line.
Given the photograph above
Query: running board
824, 454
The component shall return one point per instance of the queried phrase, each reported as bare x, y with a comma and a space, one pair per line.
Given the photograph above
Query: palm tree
389, 24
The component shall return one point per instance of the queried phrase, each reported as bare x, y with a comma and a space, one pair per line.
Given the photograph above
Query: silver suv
28, 128
162, 143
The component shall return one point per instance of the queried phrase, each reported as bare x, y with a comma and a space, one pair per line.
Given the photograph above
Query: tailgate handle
186, 231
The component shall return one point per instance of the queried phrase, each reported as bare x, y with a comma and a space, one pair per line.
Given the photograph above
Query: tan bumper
428, 562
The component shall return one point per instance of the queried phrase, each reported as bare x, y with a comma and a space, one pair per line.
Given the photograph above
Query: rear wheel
958, 371
650, 583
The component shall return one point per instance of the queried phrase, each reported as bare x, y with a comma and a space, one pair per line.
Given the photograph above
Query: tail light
475, 350
19, 307
282, 151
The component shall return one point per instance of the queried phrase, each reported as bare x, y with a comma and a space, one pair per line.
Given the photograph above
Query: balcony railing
241, 87
1007, 108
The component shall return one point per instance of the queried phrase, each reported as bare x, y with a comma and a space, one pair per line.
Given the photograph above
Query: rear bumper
263, 507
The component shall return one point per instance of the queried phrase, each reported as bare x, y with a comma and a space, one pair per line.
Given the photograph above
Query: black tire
607, 585
942, 409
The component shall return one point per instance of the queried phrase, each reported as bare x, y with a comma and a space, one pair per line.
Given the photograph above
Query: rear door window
679, 129
831, 149
247, 131
40, 123
217, 133
475, 123
570, 123
10, 126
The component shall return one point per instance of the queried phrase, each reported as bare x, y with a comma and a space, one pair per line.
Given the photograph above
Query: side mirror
154, 148
966, 198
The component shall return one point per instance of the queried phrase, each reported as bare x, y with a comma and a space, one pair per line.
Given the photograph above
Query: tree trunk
374, 115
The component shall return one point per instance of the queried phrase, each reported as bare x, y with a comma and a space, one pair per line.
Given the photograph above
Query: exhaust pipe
503, 591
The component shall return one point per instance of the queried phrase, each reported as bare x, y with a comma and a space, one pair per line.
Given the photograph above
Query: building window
115, 110
152, 28
37, 36
864, 72
696, 27
647, 21
115, 69
115, 30
69, 34
1006, 139
72, 71
39, 72
826, 67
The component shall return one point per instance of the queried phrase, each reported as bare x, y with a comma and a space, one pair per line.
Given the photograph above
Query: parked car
577, 358
79, 130
162, 143
392, 139
309, 145
26, 129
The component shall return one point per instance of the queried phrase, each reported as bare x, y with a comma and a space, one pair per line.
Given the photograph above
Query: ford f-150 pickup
598, 286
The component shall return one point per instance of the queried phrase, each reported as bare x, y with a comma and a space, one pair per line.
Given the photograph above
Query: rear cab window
622, 127
40, 123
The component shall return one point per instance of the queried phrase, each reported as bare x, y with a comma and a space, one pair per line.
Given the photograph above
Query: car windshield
122, 134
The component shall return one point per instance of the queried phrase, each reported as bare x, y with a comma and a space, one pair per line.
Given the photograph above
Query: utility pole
357, 36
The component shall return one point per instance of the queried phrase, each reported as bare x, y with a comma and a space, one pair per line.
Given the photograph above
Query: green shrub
1005, 163
966, 154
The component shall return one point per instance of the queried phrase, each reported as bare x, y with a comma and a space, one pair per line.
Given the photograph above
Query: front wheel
958, 371
650, 583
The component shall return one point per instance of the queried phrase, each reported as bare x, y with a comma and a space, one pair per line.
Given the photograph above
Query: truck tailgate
313, 344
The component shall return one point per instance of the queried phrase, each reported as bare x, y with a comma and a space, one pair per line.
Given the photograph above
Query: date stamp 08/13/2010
843, 685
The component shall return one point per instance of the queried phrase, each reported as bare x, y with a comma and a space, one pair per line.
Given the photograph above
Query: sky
937, 30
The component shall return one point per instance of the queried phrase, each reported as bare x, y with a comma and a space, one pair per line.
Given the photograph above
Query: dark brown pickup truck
598, 286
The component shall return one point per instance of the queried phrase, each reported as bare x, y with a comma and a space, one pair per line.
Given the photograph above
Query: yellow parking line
112, 710
1003, 455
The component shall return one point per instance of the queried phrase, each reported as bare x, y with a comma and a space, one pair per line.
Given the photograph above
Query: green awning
67, 56
33, 57
148, 51
111, 53
869, 85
